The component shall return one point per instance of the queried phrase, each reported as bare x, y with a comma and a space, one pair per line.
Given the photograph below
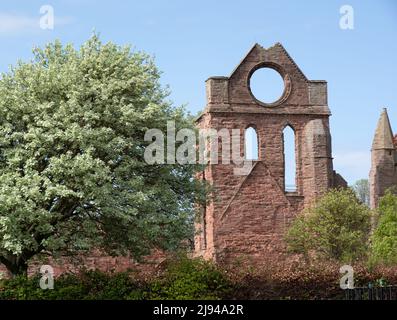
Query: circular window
266, 85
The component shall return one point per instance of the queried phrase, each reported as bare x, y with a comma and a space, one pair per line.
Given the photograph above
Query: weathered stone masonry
250, 214
383, 174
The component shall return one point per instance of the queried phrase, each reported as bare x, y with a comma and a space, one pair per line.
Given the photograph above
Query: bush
186, 278
183, 278
88, 285
298, 280
190, 279
384, 240
21, 288
337, 226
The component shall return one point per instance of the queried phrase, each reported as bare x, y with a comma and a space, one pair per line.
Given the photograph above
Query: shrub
183, 278
88, 285
190, 279
337, 226
197, 279
384, 240
20, 288
297, 280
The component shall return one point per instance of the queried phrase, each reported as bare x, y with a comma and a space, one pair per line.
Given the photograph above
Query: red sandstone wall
97, 261
250, 214
383, 174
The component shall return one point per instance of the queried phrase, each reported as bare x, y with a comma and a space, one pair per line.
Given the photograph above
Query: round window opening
267, 85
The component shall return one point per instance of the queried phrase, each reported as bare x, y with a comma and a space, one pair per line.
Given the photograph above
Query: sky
193, 40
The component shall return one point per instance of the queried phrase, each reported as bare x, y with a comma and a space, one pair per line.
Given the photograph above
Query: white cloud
12, 23
16, 23
353, 165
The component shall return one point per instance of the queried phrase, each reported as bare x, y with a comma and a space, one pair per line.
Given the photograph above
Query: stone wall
383, 174
96, 261
250, 214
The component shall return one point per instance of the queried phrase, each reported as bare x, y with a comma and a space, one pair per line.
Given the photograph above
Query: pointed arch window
289, 159
251, 144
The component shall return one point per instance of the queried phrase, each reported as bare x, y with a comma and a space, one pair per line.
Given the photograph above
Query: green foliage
337, 226
89, 285
384, 239
19, 288
183, 278
72, 169
190, 279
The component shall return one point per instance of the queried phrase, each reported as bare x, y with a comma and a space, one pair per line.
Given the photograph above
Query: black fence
372, 293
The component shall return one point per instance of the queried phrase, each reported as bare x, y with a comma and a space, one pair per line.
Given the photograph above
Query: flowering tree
72, 169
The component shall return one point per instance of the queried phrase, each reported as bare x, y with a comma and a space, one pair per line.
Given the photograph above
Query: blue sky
193, 40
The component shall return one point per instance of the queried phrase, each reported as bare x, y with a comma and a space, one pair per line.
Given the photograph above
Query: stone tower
383, 172
249, 213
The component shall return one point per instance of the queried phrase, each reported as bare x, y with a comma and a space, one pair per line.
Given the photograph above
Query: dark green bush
190, 279
88, 285
21, 288
384, 239
183, 278
336, 226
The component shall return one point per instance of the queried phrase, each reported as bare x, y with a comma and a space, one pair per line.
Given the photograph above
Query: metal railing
372, 293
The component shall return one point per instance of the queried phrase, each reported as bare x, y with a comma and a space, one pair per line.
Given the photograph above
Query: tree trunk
16, 267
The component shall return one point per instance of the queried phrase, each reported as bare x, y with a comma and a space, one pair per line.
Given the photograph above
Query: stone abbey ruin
250, 214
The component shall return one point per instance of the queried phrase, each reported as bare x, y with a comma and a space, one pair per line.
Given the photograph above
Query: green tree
337, 226
361, 188
72, 169
384, 239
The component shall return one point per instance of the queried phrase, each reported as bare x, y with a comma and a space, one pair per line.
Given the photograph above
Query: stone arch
289, 158
251, 143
